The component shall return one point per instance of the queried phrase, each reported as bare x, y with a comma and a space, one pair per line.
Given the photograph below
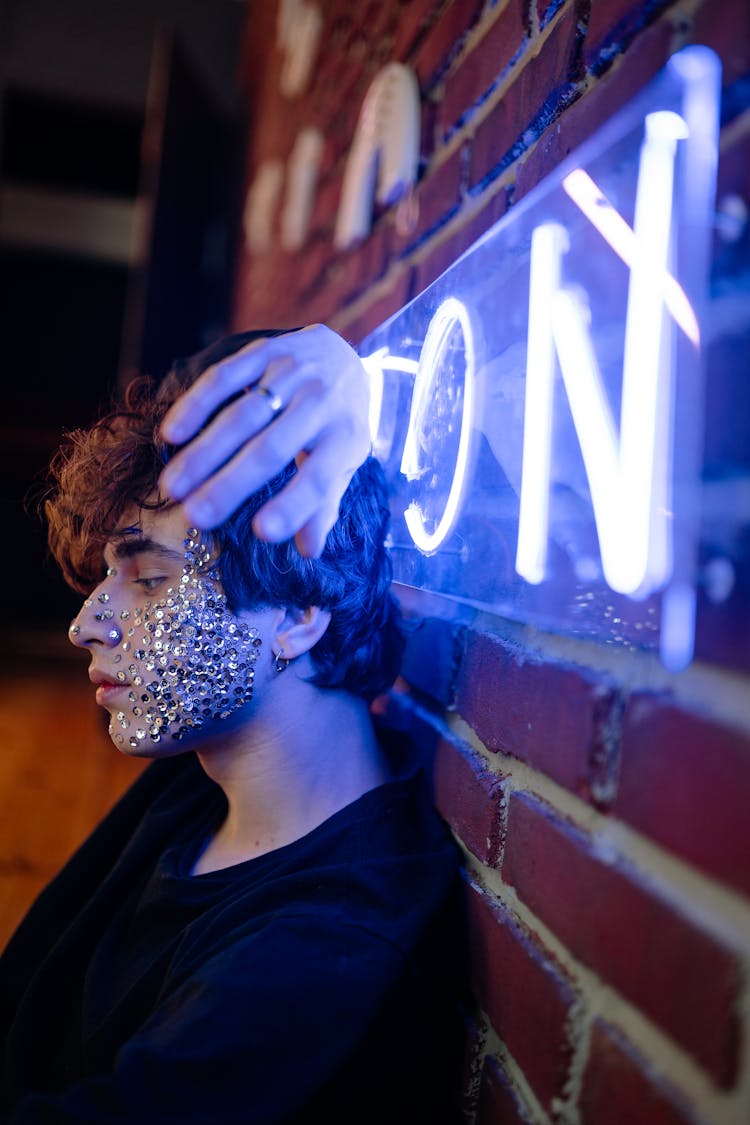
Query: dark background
120, 168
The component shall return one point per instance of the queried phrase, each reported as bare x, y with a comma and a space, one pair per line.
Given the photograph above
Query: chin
167, 748
210, 734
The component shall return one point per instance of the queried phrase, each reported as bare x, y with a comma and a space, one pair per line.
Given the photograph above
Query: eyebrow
131, 541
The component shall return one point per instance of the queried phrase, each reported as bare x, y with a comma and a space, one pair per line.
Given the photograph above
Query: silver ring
274, 401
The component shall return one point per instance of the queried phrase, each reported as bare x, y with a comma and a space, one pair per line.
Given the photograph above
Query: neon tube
450, 313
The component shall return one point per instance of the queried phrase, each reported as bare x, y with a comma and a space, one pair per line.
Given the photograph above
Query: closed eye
150, 583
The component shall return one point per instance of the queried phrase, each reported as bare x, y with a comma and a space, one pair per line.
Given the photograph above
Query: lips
106, 686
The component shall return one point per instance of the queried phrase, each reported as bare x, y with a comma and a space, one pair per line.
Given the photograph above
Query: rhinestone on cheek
197, 621
186, 671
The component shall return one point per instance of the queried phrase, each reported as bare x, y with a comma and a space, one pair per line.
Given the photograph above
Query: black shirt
313, 983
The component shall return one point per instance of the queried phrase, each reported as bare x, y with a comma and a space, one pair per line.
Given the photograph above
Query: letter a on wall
385, 148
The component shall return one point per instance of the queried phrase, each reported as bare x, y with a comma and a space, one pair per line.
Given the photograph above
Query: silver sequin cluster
191, 659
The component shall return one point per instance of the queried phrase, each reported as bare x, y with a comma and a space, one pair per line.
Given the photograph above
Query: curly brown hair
101, 472
96, 475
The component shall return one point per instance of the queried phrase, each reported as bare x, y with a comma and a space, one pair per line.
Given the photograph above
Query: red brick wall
603, 805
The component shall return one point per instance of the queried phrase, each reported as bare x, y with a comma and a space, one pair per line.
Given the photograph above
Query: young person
263, 929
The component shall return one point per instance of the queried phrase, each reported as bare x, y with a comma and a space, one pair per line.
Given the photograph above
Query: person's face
169, 659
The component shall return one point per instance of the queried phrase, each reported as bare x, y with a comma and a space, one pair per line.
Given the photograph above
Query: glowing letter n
629, 473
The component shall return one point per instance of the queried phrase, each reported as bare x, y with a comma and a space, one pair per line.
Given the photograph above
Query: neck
309, 753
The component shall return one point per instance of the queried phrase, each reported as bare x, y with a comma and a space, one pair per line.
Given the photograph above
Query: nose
94, 623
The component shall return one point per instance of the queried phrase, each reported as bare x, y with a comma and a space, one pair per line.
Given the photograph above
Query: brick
480, 70
326, 203
685, 782
261, 299
498, 1101
327, 159
559, 718
354, 269
429, 268
311, 264
613, 922
612, 27
645, 58
539, 94
608, 21
444, 40
620, 1087
340, 85
357, 328
328, 78
492, 148
359, 70
345, 113
475, 1035
436, 199
470, 798
432, 656
525, 994
339, 29
546, 9
319, 304
346, 278
726, 29
375, 20
427, 130
258, 31
415, 18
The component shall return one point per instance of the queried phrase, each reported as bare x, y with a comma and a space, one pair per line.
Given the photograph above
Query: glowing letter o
452, 312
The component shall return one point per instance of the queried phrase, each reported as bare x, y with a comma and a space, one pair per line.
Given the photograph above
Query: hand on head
306, 399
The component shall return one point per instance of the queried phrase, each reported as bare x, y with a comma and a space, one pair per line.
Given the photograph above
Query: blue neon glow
567, 492
452, 315
628, 472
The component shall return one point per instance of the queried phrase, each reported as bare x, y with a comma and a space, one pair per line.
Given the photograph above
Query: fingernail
201, 512
269, 525
173, 484
173, 429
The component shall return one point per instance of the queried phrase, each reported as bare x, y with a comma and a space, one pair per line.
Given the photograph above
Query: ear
296, 631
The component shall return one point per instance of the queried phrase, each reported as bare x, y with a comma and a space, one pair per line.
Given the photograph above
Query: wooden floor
59, 771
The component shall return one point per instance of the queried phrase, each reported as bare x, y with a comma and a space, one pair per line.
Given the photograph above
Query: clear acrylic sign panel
539, 408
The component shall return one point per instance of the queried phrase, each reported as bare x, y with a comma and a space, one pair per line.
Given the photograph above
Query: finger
297, 386
312, 497
194, 463
222, 380
251, 467
311, 539
214, 486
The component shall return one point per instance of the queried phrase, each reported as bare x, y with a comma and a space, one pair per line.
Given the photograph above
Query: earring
280, 663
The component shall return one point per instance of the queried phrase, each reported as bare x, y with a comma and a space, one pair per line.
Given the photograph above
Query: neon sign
451, 317
539, 407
